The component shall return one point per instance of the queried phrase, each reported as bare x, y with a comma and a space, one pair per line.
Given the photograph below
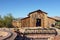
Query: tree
6, 21
1, 21
58, 24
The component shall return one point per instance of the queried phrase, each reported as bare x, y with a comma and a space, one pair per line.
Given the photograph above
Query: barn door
38, 22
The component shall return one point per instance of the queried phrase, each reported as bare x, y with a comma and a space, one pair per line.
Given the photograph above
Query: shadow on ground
19, 37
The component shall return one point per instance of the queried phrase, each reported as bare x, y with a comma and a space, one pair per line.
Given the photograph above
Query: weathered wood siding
25, 22
51, 21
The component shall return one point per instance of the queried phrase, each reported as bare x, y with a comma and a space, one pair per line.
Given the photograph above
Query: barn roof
37, 11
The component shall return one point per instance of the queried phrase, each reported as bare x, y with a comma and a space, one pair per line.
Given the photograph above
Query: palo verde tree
1, 21
6, 21
58, 24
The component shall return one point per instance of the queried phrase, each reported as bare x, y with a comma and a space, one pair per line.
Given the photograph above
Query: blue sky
20, 8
